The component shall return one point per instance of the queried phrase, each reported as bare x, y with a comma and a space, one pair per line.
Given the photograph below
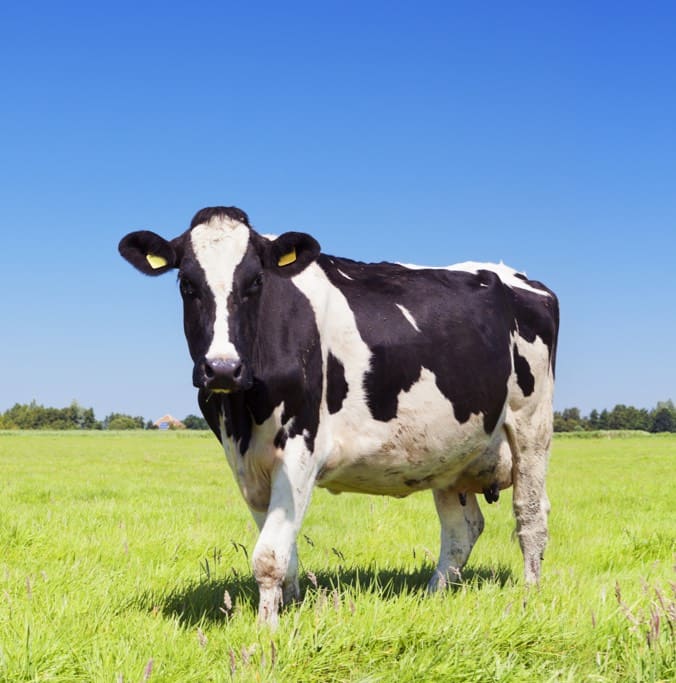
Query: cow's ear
148, 252
290, 253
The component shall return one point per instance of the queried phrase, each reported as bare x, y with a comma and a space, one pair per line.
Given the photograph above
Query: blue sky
429, 132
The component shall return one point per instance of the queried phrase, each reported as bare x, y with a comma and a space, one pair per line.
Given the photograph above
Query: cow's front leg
290, 584
275, 557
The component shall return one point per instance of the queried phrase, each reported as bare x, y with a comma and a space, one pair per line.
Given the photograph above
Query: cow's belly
472, 464
423, 447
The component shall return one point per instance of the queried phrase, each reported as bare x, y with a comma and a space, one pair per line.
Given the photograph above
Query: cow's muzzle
221, 375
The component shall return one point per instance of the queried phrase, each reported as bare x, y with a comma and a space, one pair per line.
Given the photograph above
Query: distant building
168, 422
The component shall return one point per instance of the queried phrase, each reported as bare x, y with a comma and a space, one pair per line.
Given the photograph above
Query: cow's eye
255, 285
187, 288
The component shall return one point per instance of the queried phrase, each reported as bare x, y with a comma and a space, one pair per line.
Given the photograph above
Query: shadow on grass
216, 599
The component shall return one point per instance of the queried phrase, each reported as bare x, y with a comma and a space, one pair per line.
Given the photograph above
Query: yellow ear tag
156, 261
286, 259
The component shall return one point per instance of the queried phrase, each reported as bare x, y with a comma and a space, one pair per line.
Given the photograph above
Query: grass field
125, 557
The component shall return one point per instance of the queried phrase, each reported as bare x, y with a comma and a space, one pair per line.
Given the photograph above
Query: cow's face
224, 269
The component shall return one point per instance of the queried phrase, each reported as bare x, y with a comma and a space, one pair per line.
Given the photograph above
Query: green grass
125, 557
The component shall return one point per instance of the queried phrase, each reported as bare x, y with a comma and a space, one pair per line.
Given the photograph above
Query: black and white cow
376, 378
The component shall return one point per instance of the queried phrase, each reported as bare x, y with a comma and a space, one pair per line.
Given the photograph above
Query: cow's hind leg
290, 585
530, 451
461, 525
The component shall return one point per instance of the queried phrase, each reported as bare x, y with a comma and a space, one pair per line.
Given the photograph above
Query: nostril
222, 373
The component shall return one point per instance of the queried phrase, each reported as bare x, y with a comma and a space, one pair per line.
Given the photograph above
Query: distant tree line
35, 416
662, 418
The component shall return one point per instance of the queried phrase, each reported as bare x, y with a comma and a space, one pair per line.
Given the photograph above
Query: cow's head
224, 268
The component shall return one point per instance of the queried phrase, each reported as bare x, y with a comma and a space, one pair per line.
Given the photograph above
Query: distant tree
639, 418
571, 414
560, 425
35, 416
594, 419
6, 423
628, 417
568, 421
24, 416
663, 420
83, 418
617, 418
195, 422
122, 421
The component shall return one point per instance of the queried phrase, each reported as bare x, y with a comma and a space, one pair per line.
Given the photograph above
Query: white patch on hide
536, 354
423, 447
407, 314
507, 274
337, 330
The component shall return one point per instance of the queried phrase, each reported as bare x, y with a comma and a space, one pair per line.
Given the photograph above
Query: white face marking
219, 247
407, 314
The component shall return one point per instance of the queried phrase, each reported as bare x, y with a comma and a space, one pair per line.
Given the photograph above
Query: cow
379, 378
